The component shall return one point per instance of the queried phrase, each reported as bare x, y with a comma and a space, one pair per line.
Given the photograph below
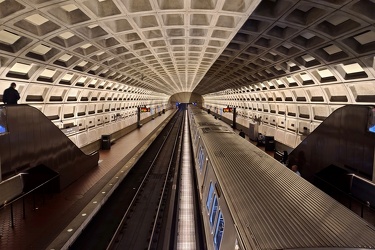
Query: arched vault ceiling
299, 44
166, 46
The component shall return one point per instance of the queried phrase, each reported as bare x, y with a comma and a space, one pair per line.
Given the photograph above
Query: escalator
338, 157
342, 139
30, 143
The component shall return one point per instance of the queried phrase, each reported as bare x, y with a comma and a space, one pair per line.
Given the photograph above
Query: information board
144, 109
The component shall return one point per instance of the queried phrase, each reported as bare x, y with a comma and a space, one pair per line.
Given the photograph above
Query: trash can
270, 143
106, 142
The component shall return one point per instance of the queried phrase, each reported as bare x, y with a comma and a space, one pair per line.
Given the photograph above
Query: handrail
348, 195
27, 193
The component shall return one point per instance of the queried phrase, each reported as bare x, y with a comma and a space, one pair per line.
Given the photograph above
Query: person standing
11, 95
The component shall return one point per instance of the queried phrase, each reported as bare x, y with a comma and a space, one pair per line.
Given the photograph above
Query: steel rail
118, 230
164, 185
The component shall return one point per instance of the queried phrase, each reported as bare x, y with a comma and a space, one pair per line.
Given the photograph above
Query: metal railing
22, 198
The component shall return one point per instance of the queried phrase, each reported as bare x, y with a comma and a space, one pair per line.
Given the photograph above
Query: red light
145, 109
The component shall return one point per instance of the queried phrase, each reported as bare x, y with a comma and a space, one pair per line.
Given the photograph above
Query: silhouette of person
11, 95
285, 157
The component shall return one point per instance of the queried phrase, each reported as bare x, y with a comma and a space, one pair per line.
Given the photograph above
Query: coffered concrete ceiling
201, 46
312, 42
166, 46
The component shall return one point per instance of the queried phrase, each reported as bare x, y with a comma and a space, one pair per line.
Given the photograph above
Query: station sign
227, 110
144, 109
69, 131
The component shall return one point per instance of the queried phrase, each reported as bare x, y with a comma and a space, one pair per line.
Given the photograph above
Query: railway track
133, 217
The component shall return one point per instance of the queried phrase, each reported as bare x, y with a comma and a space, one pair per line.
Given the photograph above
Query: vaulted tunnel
290, 62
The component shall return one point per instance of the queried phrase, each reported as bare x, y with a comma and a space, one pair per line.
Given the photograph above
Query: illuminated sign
144, 109
3, 121
227, 110
68, 131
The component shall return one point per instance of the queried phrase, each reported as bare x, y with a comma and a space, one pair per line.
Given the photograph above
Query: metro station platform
40, 219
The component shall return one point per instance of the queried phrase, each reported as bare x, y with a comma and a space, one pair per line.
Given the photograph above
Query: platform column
138, 117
